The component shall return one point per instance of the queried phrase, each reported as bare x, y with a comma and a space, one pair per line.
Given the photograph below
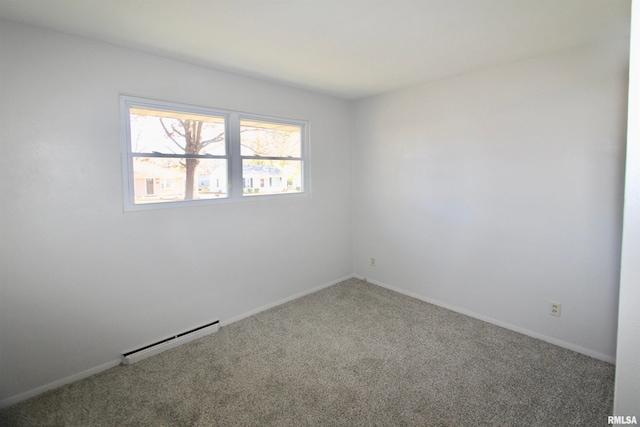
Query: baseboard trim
596, 355
97, 369
283, 301
108, 365
58, 383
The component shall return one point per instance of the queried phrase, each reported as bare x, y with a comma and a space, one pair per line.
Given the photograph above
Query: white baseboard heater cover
167, 343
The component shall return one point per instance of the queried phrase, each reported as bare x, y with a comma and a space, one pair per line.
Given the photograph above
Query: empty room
294, 212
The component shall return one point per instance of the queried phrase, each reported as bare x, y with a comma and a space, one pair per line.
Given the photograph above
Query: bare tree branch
218, 138
170, 135
184, 124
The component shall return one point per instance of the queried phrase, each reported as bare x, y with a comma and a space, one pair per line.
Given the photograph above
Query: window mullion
269, 158
179, 156
157, 176
236, 159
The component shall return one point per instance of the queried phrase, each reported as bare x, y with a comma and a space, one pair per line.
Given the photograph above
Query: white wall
627, 389
496, 192
491, 193
82, 281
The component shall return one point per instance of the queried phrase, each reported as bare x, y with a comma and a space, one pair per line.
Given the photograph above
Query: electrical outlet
373, 262
555, 309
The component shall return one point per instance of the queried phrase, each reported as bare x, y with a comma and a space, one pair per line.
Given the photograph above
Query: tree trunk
193, 130
190, 192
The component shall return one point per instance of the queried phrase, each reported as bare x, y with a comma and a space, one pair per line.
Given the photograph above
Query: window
178, 154
271, 150
150, 187
168, 183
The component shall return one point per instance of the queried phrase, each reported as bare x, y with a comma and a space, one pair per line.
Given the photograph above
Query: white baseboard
57, 383
596, 355
283, 301
92, 371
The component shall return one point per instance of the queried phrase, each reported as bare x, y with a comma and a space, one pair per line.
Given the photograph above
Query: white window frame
233, 155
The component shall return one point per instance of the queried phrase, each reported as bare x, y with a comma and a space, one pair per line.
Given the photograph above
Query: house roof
261, 171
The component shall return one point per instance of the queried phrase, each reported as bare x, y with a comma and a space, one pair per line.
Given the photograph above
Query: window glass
170, 132
271, 157
271, 176
163, 179
268, 139
179, 154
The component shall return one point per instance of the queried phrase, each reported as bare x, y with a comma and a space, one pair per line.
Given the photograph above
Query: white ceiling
346, 48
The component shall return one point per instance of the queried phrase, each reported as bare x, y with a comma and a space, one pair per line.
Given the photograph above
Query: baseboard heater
167, 343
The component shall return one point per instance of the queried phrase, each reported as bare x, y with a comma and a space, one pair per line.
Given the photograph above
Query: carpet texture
353, 354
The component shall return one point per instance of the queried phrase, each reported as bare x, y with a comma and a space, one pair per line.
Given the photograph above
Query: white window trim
234, 158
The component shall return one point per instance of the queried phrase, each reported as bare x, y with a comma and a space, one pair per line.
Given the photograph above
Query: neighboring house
215, 182
153, 182
263, 178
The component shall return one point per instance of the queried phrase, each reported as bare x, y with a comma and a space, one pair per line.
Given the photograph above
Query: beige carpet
353, 354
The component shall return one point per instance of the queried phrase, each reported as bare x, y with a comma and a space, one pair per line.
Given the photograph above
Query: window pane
270, 139
271, 177
170, 132
159, 180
